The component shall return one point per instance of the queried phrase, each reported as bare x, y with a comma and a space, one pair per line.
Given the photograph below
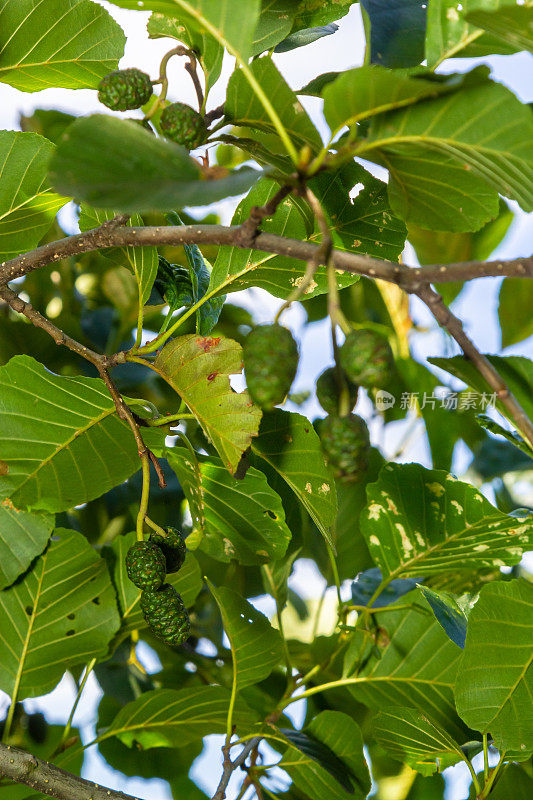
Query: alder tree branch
102, 363
404, 276
230, 766
22, 767
454, 326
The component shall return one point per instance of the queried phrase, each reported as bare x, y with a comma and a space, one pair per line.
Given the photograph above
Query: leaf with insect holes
234, 519
62, 613
198, 369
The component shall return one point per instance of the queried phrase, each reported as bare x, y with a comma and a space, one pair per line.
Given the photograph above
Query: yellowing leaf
198, 368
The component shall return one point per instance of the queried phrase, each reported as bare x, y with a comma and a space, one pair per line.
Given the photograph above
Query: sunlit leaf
198, 368
59, 615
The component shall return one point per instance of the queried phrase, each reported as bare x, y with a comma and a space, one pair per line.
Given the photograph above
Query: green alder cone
270, 364
166, 615
125, 89
173, 547
145, 565
328, 391
367, 358
182, 124
346, 445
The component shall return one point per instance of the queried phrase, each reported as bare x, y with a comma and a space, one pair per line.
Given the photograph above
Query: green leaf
512, 25
174, 718
515, 303
516, 371
449, 34
447, 613
234, 519
397, 31
305, 36
495, 678
438, 143
311, 14
208, 313
275, 22
198, 369
22, 537
27, 206
225, 22
415, 738
367, 582
366, 91
115, 163
59, 615
243, 107
290, 445
330, 762
47, 122
237, 269
514, 782
512, 436
187, 582
209, 52
364, 224
52, 43
61, 438
422, 522
417, 667
255, 644
141, 260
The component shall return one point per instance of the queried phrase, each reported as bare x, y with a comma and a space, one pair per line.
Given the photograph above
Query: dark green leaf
234, 519
417, 667
115, 163
311, 13
330, 762
305, 36
174, 718
255, 644
61, 438
22, 537
397, 31
422, 522
366, 583
495, 679
275, 22
448, 614
59, 615
514, 782
514, 310
288, 441
67, 43
415, 738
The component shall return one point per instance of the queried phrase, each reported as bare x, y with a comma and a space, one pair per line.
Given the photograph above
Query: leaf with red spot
198, 369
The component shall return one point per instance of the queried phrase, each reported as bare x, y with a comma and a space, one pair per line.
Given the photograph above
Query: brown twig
454, 326
229, 766
102, 363
41, 776
191, 69
248, 231
408, 278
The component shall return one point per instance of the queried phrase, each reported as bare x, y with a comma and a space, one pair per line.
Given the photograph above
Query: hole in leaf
271, 514
96, 601
71, 616
29, 610
71, 632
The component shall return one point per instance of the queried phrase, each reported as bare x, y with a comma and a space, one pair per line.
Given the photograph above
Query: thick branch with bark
22, 767
404, 276
454, 326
